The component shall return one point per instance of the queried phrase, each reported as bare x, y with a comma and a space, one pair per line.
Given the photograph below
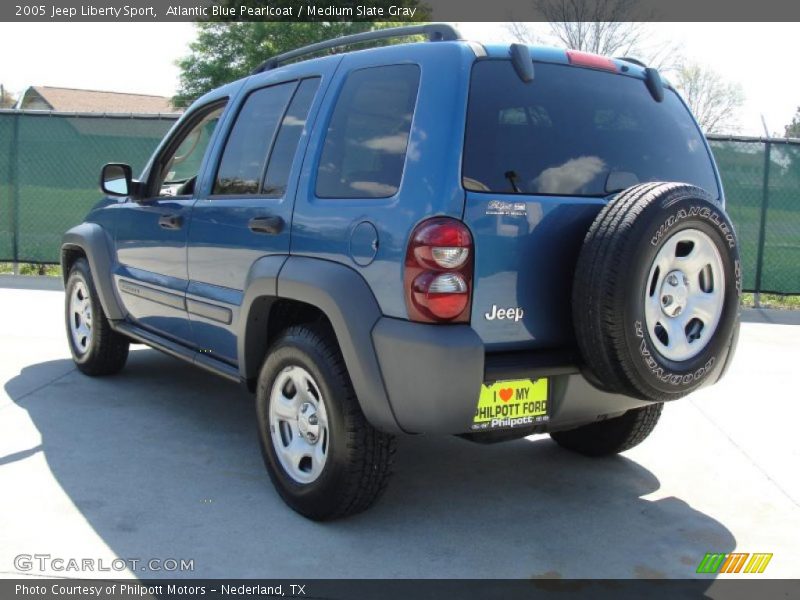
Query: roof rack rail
630, 59
435, 32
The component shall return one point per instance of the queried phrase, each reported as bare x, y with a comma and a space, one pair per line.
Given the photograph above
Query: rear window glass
365, 146
578, 132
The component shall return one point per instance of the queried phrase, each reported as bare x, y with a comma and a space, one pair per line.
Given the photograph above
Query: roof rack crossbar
435, 32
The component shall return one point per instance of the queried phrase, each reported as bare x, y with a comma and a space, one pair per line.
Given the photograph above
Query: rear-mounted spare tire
656, 292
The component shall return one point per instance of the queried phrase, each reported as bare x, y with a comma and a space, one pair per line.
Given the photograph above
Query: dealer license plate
517, 403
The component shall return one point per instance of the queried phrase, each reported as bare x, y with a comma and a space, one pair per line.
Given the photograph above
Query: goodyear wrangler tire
656, 292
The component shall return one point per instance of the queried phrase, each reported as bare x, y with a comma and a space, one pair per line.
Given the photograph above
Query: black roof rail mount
435, 32
521, 59
654, 84
652, 78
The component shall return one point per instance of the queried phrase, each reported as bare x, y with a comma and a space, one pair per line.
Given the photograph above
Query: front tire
325, 460
96, 348
612, 436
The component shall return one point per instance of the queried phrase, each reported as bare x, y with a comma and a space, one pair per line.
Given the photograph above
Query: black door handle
170, 221
268, 225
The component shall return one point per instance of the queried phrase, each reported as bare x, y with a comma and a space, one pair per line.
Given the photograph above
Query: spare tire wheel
656, 292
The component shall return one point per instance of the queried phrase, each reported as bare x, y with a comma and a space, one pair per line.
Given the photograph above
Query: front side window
181, 164
367, 138
576, 131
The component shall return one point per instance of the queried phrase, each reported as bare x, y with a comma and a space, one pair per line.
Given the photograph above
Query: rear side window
282, 155
365, 145
577, 132
245, 155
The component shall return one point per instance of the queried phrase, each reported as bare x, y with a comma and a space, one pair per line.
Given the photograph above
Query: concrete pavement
162, 462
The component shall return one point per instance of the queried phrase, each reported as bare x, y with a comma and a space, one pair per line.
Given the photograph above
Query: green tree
793, 128
224, 52
714, 101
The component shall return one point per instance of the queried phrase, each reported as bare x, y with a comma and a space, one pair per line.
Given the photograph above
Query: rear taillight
438, 274
593, 61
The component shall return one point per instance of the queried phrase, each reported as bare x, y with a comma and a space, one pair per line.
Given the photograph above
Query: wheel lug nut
666, 300
312, 420
673, 281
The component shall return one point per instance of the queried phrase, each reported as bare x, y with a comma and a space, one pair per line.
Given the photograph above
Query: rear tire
612, 436
96, 348
325, 460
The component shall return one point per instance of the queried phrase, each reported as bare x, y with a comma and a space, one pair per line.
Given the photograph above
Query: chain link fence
50, 163
49, 169
761, 178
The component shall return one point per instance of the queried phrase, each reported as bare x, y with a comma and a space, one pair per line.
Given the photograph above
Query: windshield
578, 132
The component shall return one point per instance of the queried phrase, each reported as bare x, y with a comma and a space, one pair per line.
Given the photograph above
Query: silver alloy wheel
298, 424
685, 295
80, 318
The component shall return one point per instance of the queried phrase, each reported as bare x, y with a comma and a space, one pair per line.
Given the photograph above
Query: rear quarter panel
322, 227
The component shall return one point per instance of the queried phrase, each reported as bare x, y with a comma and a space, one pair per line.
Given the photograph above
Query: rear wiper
512, 178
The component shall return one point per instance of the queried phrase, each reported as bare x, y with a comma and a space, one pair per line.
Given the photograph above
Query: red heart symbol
505, 395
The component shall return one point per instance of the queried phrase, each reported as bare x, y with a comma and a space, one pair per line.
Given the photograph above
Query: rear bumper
433, 376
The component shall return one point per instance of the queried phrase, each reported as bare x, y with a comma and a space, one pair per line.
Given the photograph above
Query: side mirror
116, 179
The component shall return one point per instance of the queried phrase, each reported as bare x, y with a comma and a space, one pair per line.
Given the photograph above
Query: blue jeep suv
440, 237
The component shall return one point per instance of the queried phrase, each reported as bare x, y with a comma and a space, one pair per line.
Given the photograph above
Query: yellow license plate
516, 403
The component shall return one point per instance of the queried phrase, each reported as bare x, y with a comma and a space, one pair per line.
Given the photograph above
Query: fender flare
260, 292
346, 300
94, 242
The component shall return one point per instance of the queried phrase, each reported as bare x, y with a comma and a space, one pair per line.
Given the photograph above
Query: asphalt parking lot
162, 462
